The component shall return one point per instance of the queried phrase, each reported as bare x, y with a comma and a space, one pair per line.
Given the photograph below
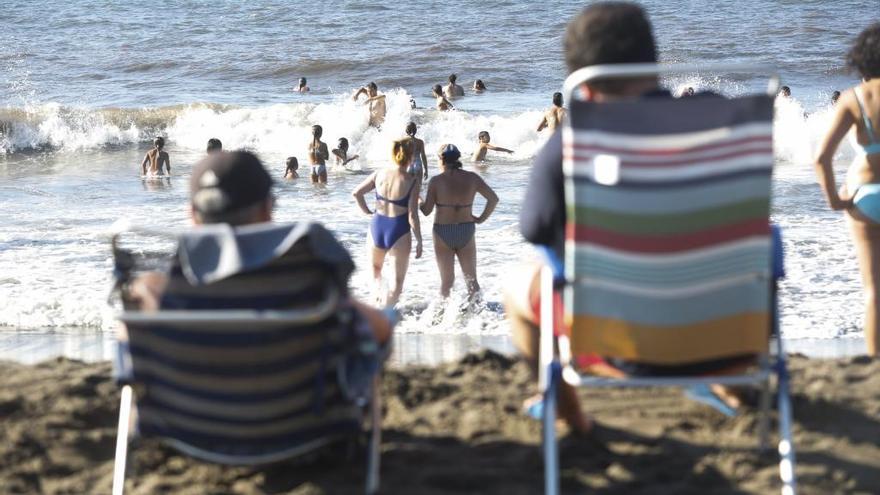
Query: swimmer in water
453, 90
341, 153
688, 91
156, 158
214, 146
375, 102
419, 167
553, 117
483, 146
834, 97
479, 87
292, 167
303, 87
785, 91
442, 103
318, 156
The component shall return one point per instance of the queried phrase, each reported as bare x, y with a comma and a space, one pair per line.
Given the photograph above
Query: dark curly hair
864, 56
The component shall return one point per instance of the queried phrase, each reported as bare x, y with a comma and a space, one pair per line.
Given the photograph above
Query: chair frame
557, 363
226, 317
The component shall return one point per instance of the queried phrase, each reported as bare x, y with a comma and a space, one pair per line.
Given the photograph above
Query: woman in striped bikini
453, 192
859, 111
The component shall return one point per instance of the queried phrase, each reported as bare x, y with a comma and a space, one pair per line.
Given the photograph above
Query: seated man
603, 33
233, 188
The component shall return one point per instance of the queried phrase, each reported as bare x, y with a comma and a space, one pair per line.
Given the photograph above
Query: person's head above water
437, 90
478, 85
864, 56
557, 99
292, 163
342, 144
834, 97
611, 33
688, 91
401, 153
231, 188
411, 129
449, 156
317, 131
214, 145
302, 82
785, 91
372, 89
483, 136
159, 142
452, 78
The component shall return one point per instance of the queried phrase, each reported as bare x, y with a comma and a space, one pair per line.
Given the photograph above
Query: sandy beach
457, 428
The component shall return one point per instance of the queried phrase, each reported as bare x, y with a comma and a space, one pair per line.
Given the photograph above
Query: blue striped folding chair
254, 356
669, 265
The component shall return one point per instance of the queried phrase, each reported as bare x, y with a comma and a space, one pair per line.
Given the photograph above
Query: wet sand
457, 428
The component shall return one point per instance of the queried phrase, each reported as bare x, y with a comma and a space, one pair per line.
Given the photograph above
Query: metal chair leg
764, 419
551, 450
373, 453
122, 433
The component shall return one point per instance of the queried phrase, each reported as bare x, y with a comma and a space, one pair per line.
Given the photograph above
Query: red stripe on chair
668, 244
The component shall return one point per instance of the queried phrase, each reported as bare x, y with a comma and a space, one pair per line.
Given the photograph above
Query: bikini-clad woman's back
455, 190
865, 169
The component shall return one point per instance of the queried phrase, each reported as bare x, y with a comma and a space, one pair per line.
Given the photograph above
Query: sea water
85, 86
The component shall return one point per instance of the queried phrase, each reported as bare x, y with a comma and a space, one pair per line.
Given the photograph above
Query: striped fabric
668, 248
250, 392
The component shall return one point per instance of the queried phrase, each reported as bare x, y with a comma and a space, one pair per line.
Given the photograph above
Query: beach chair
670, 264
254, 356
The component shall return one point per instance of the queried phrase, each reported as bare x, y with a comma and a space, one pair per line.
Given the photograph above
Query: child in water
483, 146
318, 156
292, 166
156, 159
341, 153
442, 103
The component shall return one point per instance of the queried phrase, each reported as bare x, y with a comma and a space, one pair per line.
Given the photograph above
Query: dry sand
457, 428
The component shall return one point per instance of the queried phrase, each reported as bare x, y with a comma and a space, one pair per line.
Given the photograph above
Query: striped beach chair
670, 263
254, 356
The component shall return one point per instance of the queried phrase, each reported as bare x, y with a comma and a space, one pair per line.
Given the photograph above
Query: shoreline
34, 346
460, 424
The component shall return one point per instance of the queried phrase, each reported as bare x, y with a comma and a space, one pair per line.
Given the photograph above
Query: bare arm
360, 92
378, 322
841, 122
498, 148
491, 199
543, 124
355, 157
168, 163
424, 160
414, 217
430, 199
366, 186
144, 163
323, 151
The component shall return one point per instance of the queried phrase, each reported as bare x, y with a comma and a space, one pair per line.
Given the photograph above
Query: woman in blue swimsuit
453, 192
396, 214
858, 112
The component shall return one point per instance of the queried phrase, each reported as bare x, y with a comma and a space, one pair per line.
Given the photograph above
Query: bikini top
874, 146
402, 202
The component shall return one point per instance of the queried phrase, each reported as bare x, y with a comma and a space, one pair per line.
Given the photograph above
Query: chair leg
373, 454
764, 419
786, 446
551, 450
122, 433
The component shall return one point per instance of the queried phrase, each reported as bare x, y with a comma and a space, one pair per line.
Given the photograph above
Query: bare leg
378, 259
866, 237
323, 177
399, 252
314, 178
467, 259
524, 333
445, 264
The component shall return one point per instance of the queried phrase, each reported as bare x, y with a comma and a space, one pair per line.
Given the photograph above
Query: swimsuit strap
869, 127
402, 202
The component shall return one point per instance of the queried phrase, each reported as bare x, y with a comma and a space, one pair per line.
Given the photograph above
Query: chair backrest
240, 365
668, 248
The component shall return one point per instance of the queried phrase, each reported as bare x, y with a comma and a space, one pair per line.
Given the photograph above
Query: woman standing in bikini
453, 192
396, 214
859, 110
